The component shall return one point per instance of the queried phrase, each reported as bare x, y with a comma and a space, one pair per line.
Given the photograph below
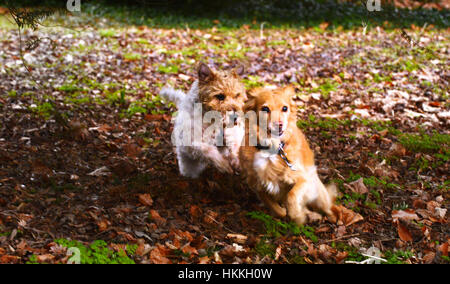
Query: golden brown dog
280, 167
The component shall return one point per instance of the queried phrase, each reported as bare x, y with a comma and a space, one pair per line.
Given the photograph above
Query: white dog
216, 96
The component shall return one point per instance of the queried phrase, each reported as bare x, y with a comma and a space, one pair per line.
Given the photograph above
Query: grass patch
99, 253
107, 33
397, 257
170, 69
265, 248
45, 110
277, 228
253, 82
426, 143
132, 56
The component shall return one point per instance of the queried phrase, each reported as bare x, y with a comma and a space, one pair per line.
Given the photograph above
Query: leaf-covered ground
86, 159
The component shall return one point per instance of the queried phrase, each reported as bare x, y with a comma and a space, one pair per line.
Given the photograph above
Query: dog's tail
171, 95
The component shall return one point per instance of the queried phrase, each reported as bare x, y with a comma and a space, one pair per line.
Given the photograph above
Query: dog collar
283, 156
280, 153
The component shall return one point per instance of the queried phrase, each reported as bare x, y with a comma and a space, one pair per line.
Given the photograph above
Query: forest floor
86, 159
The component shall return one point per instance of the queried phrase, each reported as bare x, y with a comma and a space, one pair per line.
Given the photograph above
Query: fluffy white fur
192, 160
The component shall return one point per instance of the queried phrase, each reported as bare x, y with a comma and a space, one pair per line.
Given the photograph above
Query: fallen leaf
203, 260
195, 211
157, 257
405, 215
241, 239
403, 232
146, 199
160, 221
340, 256
102, 225
9, 259
429, 257
358, 186
190, 250
346, 216
444, 248
132, 150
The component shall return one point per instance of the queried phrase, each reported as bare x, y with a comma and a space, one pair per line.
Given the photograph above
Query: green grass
397, 257
265, 248
108, 33
275, 228
426, 143
99, 253
325, 89
253, 81
168, 69
45, 110
132, 56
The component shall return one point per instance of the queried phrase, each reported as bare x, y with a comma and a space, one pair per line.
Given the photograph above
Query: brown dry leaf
405, 215
127, 236
358, 186
157, 256
188, 249
444, 249
397, 150
278, 252
203, 260
403, 232
9, 259
346, 216
119, 247
104, 128
419, 203
431, 205
429, 257
241, 239
210, 216
132, 150
140, 251
195, 211
102, 225
2, 251
160, 221
146, 199
340, 256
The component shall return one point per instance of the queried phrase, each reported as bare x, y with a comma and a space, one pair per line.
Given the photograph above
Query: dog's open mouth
278, 132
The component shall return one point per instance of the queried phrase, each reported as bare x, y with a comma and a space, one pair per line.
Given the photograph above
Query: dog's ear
289, 91
250, 104
238, 71
205, 74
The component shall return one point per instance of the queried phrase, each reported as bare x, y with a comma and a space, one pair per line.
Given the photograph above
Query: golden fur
284, 190
213, 83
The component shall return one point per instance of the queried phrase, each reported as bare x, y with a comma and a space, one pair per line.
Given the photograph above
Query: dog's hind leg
325, 199
296, 202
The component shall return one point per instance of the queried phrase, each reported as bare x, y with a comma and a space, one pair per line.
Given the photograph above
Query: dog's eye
285, 109
266, 109
220, 97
